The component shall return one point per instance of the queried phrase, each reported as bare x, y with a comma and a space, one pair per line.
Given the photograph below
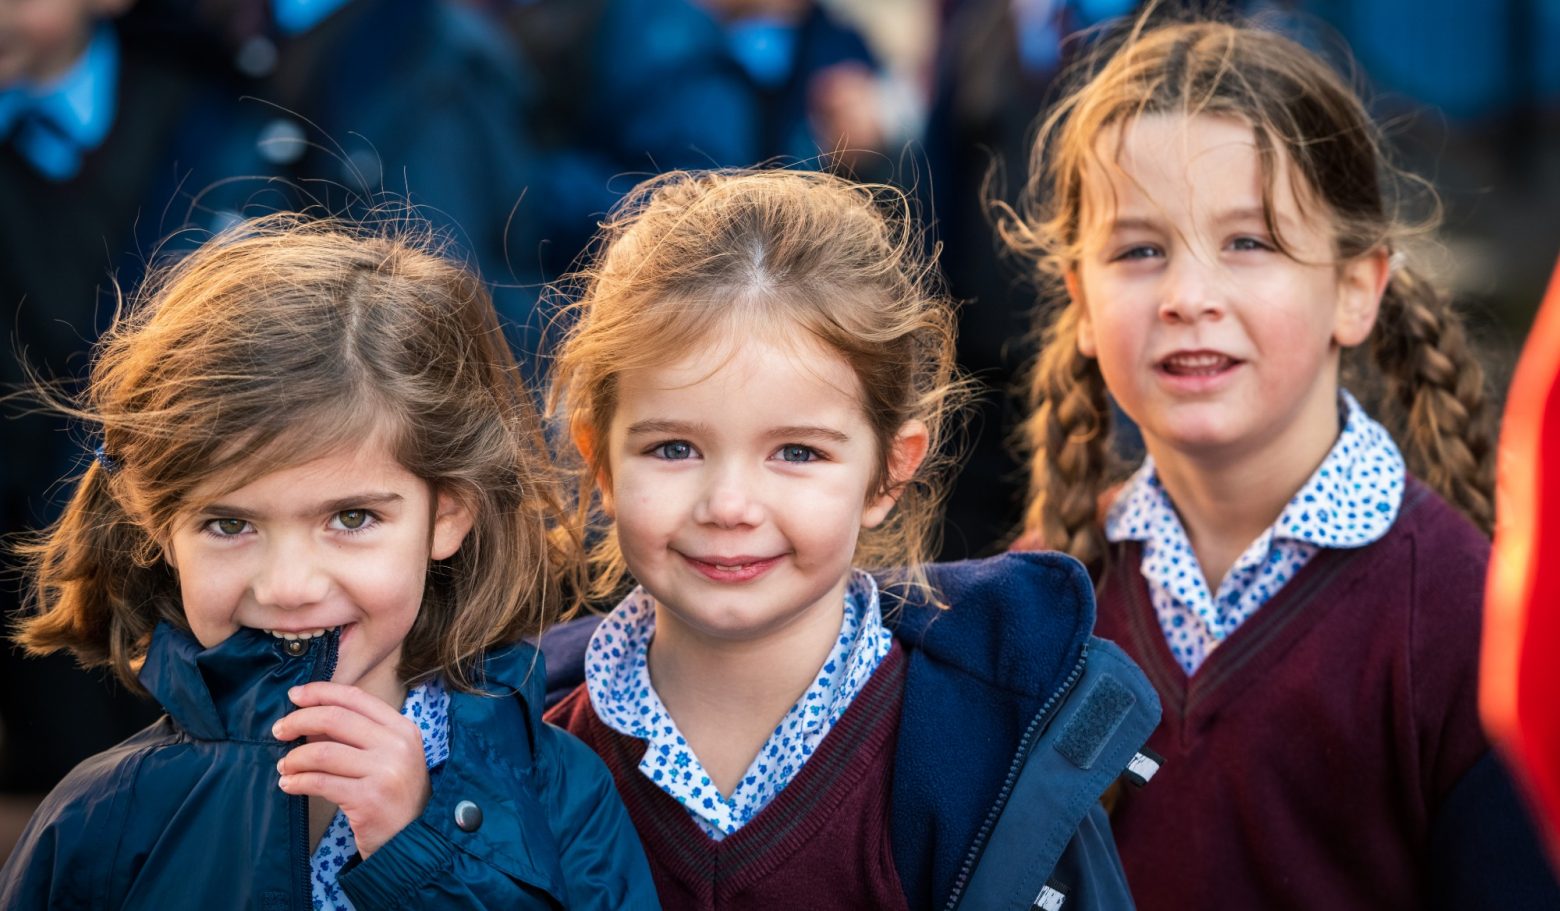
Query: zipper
1025, 745
297, 804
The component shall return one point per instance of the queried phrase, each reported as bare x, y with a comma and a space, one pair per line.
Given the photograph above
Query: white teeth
729, 567
1196, 361
301, 634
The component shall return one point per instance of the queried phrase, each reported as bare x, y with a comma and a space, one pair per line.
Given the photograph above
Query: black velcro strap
1103, 709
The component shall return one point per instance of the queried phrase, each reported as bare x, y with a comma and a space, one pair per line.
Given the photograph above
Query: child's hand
362, 755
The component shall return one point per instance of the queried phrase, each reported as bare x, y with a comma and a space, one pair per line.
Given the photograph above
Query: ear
1085, 324
452, 521
905, 455
1361, 283
585, 441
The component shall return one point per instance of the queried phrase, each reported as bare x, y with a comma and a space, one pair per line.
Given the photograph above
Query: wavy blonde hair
1430, 385
689, 256
281, 340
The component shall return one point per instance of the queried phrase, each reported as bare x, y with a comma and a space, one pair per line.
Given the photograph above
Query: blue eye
1247, 244
1140, 251
796, 453
674, 450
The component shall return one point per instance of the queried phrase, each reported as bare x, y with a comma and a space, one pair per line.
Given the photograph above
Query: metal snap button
468, 816
296, 647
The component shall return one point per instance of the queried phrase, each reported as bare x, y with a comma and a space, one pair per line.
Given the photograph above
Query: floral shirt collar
617, 677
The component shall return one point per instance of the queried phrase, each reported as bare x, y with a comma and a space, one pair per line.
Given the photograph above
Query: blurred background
133, 128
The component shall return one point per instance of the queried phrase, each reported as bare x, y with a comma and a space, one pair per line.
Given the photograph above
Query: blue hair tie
108, 463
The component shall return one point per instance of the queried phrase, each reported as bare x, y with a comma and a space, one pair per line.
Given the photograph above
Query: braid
1435, 388
1067, 435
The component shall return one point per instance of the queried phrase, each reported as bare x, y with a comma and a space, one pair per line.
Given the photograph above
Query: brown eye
228, 527
352, 519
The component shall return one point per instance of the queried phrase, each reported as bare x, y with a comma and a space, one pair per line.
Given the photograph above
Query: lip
731, 569
1196, 370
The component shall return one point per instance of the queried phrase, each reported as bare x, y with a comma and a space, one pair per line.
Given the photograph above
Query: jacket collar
237, 689
234, 690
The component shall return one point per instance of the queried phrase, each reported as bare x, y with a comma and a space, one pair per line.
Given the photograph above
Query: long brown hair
281, 340
1431, 387
689, 256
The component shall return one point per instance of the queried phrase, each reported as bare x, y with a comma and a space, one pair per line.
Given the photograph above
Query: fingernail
275, 729
292, 693
283, 782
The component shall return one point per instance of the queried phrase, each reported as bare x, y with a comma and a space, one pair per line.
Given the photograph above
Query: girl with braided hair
1303, 590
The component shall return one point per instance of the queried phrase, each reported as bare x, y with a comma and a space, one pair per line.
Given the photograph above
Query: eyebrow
1241, 214
340, 504
1254, 213
659, 426
688, 428
808, 432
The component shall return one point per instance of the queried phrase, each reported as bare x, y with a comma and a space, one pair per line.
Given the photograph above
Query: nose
290, 576
729, 501
1192, 290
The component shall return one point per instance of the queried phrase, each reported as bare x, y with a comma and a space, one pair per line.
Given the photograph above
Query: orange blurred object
1519, 691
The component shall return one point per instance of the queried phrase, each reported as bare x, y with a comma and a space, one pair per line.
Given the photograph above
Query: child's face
342, 541
1212, 340
41, 39
738, 494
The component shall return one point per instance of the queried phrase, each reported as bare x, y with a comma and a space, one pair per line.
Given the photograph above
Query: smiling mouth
302, 634
732, 569
1197, 363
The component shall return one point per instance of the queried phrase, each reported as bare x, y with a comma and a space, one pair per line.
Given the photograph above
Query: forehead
355, 445
773, 374
1181, 165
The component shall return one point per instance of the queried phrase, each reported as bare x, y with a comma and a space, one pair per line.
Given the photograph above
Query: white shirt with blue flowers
1350, 500
428, 704
617, 677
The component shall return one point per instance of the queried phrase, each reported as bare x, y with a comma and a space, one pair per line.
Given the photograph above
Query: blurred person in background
370, 102
103, 147
637, 87
997, 65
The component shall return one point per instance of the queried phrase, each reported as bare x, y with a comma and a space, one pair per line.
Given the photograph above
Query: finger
343, 792
331, 758
340, 724
346, 696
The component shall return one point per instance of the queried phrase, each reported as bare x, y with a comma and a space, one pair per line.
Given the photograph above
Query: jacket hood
1018, 621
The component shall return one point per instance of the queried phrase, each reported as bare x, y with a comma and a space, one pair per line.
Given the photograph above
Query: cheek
391, 584
211, 594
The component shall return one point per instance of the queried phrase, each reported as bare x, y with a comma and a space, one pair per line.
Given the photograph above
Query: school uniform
965, 769
1321, 739
188, 813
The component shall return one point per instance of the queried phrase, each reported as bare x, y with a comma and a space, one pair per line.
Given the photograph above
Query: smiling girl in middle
757, 378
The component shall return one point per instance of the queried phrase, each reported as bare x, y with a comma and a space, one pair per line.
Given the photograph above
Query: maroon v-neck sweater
1306, 758
821, 843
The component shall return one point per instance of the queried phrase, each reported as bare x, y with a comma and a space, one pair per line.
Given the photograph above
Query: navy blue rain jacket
1015, 720
187, 813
